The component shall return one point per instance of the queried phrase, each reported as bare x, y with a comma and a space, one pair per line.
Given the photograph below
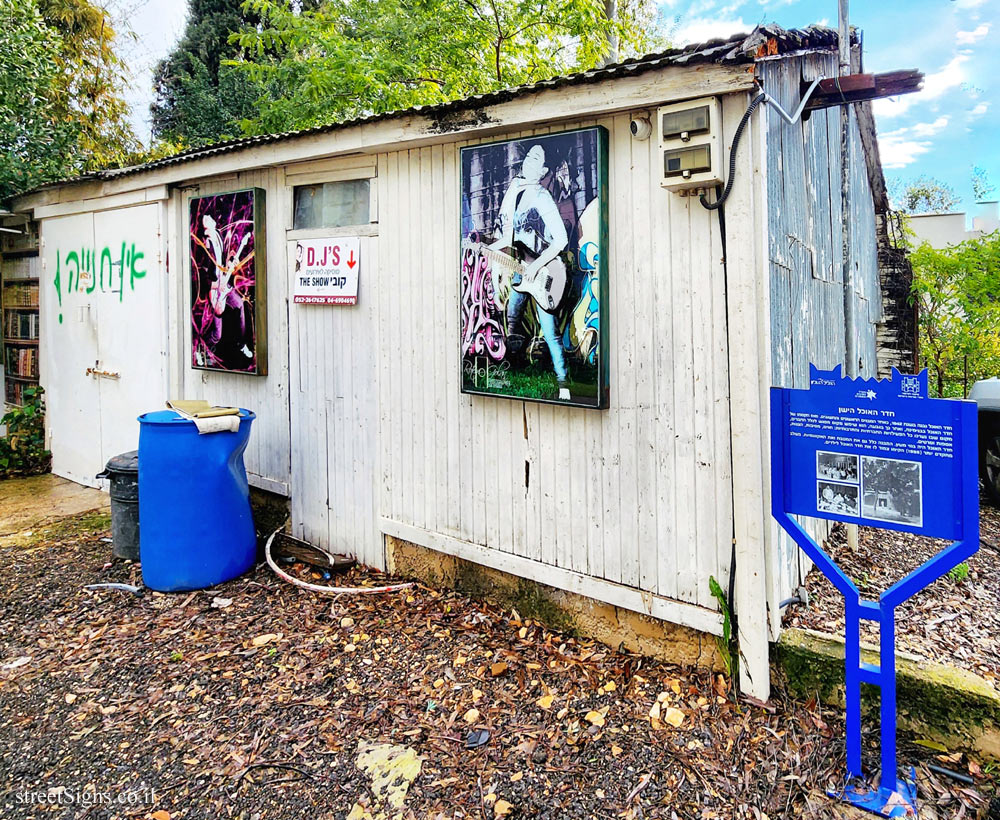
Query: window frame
308, 177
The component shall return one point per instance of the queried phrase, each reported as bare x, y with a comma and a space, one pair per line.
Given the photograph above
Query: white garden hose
325, 589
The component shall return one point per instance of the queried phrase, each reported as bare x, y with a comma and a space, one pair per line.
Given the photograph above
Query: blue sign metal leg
852, 680
887, 683
894, 797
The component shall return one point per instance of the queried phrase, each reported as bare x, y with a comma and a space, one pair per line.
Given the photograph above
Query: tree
958, 291
37, 142
91, 79
982, 188
61, 110
199, 97
348, 58
924, 195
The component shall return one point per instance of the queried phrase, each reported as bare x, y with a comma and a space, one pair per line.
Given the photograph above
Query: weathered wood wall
805, 230
361, 419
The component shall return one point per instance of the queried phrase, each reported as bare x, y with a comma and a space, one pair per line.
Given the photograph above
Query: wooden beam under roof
860, 87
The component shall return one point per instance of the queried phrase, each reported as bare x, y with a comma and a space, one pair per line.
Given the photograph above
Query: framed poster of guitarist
534, 268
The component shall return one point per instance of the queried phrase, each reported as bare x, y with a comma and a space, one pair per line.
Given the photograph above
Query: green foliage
92, 78
959, 573
34, 138
352, 58
198, 97
730, 656
923, 195
22, 451
61, 110
958, 292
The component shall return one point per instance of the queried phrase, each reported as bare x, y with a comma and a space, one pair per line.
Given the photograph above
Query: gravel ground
955, 621
258, 700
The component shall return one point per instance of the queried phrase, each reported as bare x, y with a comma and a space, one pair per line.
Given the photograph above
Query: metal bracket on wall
791, 119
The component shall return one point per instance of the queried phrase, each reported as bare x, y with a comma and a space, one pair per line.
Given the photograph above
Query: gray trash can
123, 472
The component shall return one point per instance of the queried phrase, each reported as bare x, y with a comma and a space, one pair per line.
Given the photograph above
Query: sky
943, 131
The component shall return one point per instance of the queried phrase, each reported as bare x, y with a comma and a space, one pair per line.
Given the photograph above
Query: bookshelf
20, 337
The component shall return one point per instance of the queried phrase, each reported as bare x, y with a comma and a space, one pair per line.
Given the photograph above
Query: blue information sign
879, 454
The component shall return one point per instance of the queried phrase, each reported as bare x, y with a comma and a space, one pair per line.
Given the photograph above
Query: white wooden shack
361, 421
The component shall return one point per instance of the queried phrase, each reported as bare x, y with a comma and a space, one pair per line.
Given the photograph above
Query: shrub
22, 450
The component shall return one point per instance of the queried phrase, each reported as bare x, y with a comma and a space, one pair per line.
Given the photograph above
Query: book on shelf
20, 294
22, 362
14, 392
21, 326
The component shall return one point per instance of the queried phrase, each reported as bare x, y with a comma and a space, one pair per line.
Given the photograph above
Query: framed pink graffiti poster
228, 294
534, 278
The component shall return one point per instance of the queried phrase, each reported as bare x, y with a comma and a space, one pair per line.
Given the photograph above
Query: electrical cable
325, 589
712, 206
791, 119
734, 619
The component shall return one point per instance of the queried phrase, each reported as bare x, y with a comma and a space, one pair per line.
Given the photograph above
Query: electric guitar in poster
547, 286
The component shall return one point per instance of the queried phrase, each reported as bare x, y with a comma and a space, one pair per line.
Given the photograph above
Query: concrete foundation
935, 702
567, 611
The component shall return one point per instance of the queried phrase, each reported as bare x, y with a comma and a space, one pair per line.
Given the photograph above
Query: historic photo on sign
839, 499
837, 466
533, 268
891, 490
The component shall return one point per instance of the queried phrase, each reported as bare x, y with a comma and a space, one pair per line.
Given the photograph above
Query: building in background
941, 230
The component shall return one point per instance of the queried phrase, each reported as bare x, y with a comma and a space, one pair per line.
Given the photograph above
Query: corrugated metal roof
766, 40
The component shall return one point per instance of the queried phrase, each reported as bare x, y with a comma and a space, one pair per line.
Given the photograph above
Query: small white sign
326, 271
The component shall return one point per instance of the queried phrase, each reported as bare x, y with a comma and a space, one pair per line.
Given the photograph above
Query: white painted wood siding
637, 495
333, 364
89, 324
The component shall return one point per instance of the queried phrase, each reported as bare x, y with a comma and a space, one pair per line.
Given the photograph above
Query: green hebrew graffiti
87, 270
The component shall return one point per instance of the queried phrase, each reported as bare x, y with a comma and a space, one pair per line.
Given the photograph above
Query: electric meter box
690, 144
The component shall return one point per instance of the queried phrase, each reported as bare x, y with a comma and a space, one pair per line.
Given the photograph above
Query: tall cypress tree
199, 99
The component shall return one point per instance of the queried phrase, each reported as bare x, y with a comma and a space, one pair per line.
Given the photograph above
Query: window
332, 204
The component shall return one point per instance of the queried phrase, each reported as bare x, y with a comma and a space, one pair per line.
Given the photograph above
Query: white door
69, 322
131, 335
103, 348
334, 407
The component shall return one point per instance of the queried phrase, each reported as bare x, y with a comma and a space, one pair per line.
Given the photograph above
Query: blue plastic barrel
194, 503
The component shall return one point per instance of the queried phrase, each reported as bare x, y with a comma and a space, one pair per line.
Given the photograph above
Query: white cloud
901, 147
969, 4
898, 152
967, 38
700, 29
952, 75
979, 110
928, 129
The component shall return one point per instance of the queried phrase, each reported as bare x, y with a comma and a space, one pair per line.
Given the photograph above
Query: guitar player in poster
533, 227
530, 220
